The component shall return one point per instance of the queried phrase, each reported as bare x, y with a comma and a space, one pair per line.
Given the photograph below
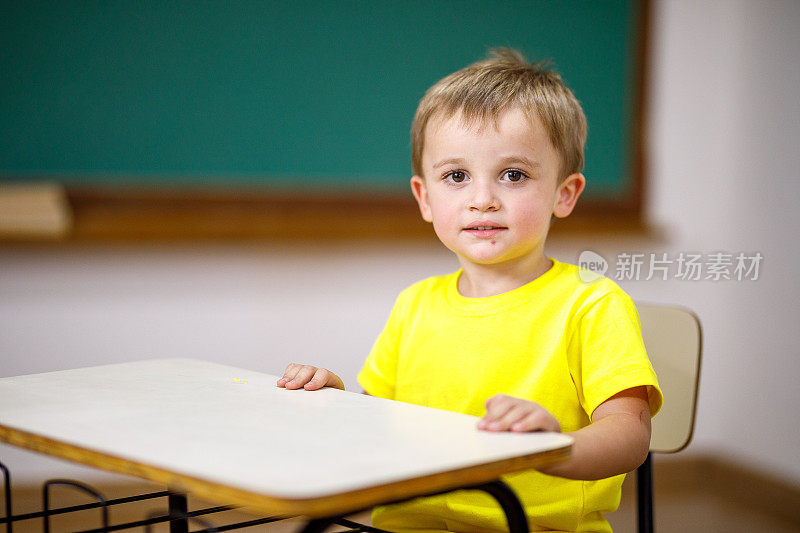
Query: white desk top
224, 432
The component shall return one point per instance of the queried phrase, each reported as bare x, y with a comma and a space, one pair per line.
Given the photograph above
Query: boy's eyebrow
505, 160
521, 159
449, 161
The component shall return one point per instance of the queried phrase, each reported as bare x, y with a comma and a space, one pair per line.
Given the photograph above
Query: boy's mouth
484, 229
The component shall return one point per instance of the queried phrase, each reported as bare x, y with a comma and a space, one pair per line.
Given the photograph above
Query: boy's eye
514, 175
456, 176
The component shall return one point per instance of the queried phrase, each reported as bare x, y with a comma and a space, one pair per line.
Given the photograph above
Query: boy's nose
483, 198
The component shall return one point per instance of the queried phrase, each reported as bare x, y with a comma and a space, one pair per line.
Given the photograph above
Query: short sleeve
612, 356
378, 376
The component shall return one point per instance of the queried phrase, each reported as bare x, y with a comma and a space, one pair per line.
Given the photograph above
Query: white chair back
673, 340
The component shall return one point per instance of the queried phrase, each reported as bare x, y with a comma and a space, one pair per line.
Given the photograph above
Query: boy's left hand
507, 413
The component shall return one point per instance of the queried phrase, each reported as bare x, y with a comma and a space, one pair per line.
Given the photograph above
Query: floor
697, 512
685, 511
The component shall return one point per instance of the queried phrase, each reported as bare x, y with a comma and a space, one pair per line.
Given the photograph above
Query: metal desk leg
644, 496
515, 513
7, 489
178, 509
74, 484
318, 525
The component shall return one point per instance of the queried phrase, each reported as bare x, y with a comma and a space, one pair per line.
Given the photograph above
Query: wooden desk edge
275, 506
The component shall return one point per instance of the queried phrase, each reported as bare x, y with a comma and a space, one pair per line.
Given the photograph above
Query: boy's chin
492, 259
500, 256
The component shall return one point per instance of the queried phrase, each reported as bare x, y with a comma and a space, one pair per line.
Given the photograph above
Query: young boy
514, 337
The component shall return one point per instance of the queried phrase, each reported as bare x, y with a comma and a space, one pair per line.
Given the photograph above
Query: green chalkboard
291, 95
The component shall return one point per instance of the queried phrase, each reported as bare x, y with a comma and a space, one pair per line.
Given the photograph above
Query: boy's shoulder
583, 290
568, 289
422, 293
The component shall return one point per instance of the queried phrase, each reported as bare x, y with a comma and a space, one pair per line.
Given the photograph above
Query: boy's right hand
309, 378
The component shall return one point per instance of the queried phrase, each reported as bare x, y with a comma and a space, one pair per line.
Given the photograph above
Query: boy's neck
479, 280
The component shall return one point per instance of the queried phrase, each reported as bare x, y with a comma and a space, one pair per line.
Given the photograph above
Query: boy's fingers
319, 380
504, 413
324, 378
513, 415
289, 374
498, 405
496, 408
533, 421
308, 377
539, 420
291, 370
303, 376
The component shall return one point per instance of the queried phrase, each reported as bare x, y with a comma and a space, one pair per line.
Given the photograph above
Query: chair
673, 340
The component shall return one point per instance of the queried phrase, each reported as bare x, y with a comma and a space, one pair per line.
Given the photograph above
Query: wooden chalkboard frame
149, 213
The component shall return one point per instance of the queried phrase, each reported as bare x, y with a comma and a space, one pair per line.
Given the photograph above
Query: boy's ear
567, 194
421, 194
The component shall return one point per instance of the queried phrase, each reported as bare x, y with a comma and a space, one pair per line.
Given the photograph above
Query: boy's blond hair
483, 90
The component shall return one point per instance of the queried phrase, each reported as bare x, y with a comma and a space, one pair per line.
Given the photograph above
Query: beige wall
724, 135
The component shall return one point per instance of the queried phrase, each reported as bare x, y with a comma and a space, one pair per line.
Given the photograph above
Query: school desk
230, 435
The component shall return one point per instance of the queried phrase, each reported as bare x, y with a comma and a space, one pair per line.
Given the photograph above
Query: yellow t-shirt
558, 341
